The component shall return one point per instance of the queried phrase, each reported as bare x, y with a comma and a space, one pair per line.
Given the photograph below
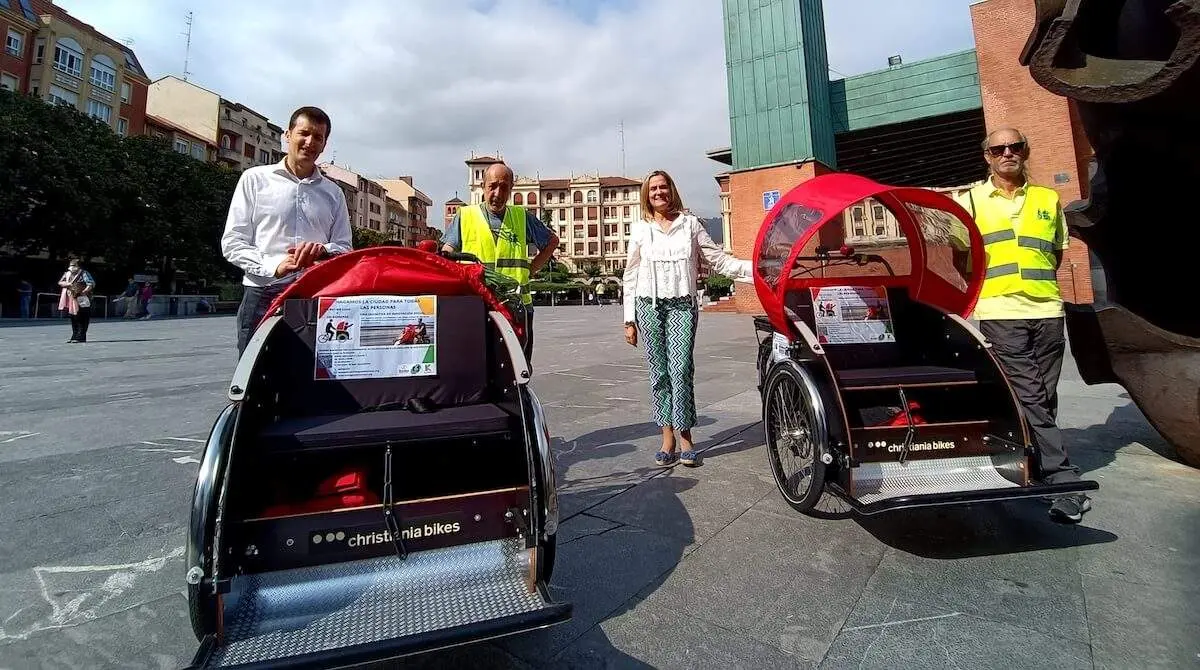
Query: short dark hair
313, 114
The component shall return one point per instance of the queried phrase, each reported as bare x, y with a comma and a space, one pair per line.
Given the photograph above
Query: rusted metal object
1131, 70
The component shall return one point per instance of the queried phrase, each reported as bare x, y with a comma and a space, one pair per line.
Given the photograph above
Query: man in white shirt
283, 218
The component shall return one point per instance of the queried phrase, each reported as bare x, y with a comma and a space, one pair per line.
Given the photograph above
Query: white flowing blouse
666, 264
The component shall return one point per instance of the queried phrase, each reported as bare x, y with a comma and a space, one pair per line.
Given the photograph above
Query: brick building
52, 55
869, 124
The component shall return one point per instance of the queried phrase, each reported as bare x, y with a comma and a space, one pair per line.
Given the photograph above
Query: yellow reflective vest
1020, 255
507, 251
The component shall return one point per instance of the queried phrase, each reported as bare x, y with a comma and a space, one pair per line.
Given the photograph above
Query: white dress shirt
273, 210
666, 264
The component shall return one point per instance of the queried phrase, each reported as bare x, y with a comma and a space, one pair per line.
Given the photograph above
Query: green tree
591, 270
718, 286
365, 237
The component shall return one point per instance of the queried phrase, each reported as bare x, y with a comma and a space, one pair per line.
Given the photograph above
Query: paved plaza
686, 568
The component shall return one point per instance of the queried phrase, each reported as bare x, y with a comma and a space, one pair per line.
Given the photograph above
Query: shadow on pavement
1096, 446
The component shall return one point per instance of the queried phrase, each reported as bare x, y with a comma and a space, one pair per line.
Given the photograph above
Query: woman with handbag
662, 267
76, 298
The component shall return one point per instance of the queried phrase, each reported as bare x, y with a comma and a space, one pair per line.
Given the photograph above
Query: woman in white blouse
661, 271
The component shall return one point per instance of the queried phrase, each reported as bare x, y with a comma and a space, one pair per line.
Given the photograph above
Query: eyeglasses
998, 150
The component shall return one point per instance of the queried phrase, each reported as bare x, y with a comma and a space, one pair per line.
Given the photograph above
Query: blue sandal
688, 458
665, 460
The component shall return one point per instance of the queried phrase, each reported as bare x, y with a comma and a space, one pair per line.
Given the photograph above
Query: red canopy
390, 270
825, 232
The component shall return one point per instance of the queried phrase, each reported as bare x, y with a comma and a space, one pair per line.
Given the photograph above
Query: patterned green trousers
668, 331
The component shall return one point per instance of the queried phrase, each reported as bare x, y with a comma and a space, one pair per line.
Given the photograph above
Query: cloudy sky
413, 86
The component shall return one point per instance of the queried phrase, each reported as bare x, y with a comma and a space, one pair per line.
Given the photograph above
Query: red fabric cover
901, 419
392, 271
345, 482
833, 194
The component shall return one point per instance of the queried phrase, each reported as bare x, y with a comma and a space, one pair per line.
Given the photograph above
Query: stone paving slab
687, 567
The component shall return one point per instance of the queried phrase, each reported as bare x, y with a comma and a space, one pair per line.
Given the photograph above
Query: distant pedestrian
144, 298
76, 299
662, 267
25, 291
283, 218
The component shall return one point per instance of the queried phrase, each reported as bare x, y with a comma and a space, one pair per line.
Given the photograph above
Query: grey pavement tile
75, 589
777, 579
1153, 506
712, 495
600, 575
652, 637
937, 640
151, 636
1040, 590
49, 539
583, 525
471, 657
1143, 627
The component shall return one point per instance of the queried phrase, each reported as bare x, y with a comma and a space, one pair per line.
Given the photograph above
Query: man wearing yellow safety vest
1020, 309
500, 234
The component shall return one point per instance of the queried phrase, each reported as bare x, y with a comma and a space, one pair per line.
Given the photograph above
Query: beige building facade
244, 137
370, 208
592, 215
180, 139
413, 222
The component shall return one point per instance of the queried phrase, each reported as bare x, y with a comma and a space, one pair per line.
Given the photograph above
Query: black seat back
287, 369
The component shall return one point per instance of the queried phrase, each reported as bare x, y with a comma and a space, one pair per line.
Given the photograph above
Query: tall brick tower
780, 119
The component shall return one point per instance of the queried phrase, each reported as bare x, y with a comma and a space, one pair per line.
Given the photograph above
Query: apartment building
413, 219
52, 55
243, 137
592, 214
180, 139
370, 207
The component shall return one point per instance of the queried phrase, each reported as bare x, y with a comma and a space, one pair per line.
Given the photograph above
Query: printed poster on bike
376, 336
852, 315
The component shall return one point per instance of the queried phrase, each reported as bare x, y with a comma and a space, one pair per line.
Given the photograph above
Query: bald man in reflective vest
500, 235
1020, 308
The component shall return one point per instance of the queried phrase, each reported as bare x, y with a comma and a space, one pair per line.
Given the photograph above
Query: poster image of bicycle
365, 337
852, 315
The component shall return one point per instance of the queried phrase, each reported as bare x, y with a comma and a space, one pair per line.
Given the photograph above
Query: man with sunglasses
1020, 309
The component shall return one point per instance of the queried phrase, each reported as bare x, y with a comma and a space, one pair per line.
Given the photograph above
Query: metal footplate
366, 610
880, 487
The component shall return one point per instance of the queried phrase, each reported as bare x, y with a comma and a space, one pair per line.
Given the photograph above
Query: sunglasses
998, 150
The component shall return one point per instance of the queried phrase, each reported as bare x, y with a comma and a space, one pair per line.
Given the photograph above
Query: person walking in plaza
662, 266
76, 299
1020, 308
283, 218
500, 234
25, 293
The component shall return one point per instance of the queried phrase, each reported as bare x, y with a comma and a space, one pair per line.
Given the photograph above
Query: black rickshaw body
360, 499
876, 388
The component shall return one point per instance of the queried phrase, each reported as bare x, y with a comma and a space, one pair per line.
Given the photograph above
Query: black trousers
255, 301
79, 324
1031, 352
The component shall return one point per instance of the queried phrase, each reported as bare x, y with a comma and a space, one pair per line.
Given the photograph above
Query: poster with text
852, 315
373, 337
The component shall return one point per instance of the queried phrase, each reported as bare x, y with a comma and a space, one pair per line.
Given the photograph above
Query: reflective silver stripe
1036, 243
999, 236
522, 263
1002, 270
1036, 274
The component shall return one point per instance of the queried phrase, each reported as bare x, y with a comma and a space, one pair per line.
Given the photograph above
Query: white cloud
414, 85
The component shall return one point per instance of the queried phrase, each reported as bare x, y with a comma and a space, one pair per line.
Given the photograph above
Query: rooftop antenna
187, 51
621, 134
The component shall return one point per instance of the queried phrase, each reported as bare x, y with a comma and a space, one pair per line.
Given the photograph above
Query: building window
626, 212
39, 50
518, 199
562, 215
264, 156
532, 199
627, 228
593, 213
577, 196
578, 214
591, 196
14, 43
126, 92
225, 142
579, 248
878, 212
562, 197
9, 83
625, 195
858, 214
593, 249
122, 127
593, 230
199, 152
104, 73
68, 57
61, 96
99, 110
182, 146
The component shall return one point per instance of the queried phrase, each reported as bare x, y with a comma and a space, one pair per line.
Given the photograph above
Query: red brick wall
1011, 98
18, 67
746, 214
135, 111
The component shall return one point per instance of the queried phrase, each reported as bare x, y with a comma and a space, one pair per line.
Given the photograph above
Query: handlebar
460, 256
